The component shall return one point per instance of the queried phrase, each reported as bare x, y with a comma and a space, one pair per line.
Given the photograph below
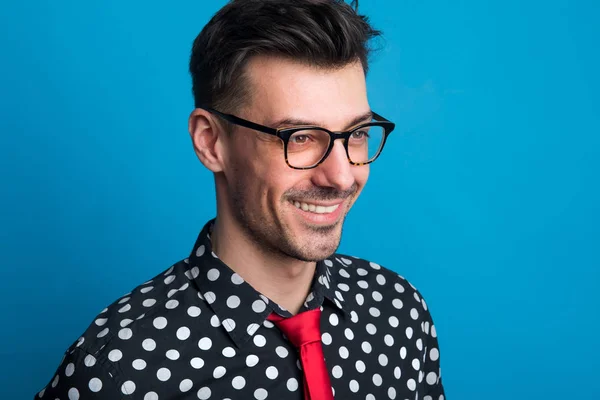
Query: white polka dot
337, 372
124, 300
186, 385
403, 352
205, 343
125, 308
149, 344
414, 314
377, 380
73, 394
128, 387
370, 397
397, 373
272, 372
343, 287
380, 279
360, 366
213, 274
362, 284
377, 296
344, 273
115, 355
268, 324
349, 334
411, 384
139, 364
172, 355
229, 324
195, 272
397, 303
146, 289
102, 333
416, 364
259, 340
333, 319
171, 304
281, 351
183, 333
433, 331
197, 363
233, 301
215, 321
151, 396
90, 360
210, 297
55, 381
371, 329
362, 271
95, 385
238, 382
148, 302
292, 384
431, 378
228, 352
260, 394
236, 279
353, 385
344, 353
383, 360
394, 321
420, 344
392, 393
160, 322
124, 322
219, 372
360, 299
374, 312
388, 339
193, 311
374, 266
163, 374
366, 347
252, 328
251, 360
353, 316
409, 332
204, 393
125, 334
101, 321
434, 354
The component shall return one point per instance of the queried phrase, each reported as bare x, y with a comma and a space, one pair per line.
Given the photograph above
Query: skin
258, 232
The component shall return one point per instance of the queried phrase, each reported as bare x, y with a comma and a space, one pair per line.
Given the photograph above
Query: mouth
315, 208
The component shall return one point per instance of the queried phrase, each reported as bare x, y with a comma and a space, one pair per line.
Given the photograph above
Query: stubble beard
276, 237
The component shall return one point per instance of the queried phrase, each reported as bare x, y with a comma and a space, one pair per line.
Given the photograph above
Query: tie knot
302, 328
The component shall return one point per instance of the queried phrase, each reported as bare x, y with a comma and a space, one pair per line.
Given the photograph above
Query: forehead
282, 88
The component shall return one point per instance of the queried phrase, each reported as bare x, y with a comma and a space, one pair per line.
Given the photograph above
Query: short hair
328, 34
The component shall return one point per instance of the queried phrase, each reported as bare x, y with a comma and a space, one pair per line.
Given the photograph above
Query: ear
207, 136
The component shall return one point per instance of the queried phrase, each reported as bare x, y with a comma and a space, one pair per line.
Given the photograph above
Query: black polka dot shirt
199, 331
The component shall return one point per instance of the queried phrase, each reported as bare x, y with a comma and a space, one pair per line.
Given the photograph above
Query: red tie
304, 331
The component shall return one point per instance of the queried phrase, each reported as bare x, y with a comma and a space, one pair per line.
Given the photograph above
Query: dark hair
321, 33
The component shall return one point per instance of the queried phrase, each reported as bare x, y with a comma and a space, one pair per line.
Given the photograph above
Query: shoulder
134, 310
373, 285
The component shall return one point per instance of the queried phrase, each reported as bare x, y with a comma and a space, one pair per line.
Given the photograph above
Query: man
283, 122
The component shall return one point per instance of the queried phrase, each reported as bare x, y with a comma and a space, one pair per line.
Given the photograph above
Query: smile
314, 208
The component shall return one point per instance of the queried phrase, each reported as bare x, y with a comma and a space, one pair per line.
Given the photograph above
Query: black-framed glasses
305, 147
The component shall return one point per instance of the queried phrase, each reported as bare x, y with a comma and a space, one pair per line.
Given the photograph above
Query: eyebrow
291, 122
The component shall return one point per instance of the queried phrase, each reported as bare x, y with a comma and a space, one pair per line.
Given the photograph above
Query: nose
336, 170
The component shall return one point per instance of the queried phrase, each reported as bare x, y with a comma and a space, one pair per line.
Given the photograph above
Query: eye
360, 135
299, 139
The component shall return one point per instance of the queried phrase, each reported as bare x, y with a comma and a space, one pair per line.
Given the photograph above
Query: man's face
262, 191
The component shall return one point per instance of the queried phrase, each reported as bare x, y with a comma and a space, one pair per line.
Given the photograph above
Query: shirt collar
239, 307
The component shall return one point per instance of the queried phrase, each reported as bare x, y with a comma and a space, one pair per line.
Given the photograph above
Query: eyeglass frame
286, 133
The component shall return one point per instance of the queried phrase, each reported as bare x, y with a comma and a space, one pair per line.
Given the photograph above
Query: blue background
486, 198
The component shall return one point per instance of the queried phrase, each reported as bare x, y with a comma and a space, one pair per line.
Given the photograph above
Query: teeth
315, 208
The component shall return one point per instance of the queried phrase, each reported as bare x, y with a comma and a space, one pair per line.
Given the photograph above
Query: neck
285, 280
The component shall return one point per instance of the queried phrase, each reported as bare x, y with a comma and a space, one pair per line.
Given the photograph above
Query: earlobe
206, 138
